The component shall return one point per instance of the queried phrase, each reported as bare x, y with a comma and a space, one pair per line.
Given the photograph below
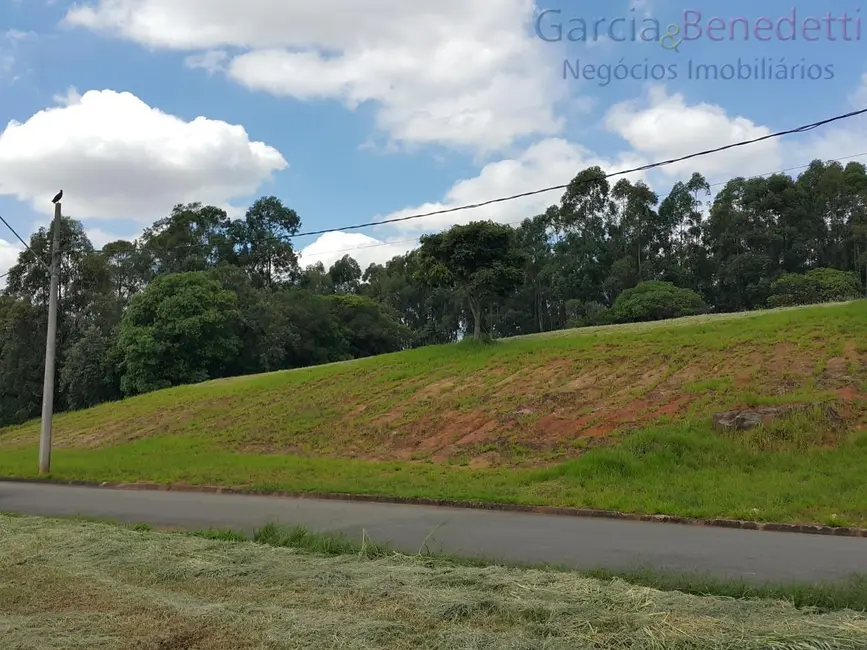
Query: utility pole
50, 347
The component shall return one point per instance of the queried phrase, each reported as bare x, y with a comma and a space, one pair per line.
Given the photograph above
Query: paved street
574, 541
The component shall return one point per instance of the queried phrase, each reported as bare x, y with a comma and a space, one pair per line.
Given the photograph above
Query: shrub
815, 287
656, 300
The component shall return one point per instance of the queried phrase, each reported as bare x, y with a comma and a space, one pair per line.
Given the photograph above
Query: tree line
201, 296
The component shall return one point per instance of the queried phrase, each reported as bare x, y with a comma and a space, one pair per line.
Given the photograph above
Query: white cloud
837, 140
8, 258
662, 126
547, 163
9, 52
212, 61
365, 250
70, 97
858, 98
456, 72
99, 237
116, 157
658, 127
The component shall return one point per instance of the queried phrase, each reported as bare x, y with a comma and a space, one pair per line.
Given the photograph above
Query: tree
345, 275
22, 356
194, 237
262, 241
129, 267
89, 374
184, 328
481, 260
431, 314
369, 328
30, 278
316, 279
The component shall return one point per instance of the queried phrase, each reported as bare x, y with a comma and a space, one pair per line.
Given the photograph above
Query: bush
813, 288
655, 300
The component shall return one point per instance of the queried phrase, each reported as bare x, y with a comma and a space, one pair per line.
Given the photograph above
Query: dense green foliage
201, 296
656, 300
813, 287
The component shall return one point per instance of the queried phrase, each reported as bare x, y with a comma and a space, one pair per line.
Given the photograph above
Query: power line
23, 243
663, 163
513, 223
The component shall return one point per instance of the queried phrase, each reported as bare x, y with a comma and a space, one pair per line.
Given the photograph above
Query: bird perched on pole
57, 197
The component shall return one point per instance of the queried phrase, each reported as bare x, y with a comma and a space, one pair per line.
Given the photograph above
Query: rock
744, 419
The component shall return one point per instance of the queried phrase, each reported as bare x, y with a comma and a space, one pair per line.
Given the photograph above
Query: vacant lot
74, 585
616, 417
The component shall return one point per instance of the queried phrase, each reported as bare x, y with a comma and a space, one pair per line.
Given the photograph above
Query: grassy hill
611, 417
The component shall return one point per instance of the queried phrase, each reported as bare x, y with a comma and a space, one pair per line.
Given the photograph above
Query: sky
357, 111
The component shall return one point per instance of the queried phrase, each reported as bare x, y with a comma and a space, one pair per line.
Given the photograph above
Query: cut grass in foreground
824, 597
72, 584
827, 597
611, 418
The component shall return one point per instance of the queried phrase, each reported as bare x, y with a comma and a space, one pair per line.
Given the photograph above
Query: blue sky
352, 111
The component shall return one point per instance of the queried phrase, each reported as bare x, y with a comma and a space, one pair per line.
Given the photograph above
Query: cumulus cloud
662, 126
8, 258
656, 126
844, 139
116, 157
365, 250
467, 73
550, 162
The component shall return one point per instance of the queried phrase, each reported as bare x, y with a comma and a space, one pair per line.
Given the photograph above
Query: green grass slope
613, 417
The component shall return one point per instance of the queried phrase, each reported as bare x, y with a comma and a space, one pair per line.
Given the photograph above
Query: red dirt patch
574, 400
598, 432
479, 435
675, 407
554, 427
453, 426
850, 394
792, 358
386, 419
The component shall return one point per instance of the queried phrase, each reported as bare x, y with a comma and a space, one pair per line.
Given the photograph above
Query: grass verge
825, 597
74, 584
686, 470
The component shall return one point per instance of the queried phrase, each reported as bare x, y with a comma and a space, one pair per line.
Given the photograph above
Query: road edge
811, 529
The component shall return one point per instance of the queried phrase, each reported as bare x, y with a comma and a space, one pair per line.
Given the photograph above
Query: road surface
572, 541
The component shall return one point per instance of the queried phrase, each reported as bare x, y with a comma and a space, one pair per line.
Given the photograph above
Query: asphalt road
573, 541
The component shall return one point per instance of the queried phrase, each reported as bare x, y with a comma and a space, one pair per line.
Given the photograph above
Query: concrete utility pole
50, 347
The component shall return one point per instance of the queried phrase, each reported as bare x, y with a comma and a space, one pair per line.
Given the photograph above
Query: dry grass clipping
73, 585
